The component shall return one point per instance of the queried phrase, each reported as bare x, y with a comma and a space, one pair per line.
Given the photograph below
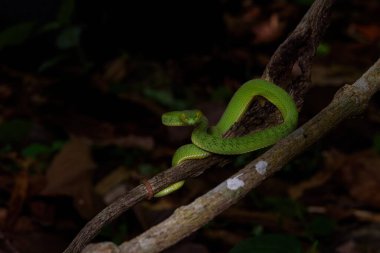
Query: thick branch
296, 52
307, 33
300, 46
348, 101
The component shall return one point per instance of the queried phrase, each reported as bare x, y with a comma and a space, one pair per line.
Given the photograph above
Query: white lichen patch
235, 183
261, 167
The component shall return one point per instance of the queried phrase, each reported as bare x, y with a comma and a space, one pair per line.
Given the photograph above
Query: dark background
83, 85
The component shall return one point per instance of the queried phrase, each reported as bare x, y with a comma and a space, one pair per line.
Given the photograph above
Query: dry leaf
332, 75
71, 174
38, 242
268, 31
365, 33
238, 26
129, 141
359, 172
361, 175
19, 194
5, 91
347, 247
333, 161
116, 70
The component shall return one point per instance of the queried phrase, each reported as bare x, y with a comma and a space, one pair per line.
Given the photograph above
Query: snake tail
185, 152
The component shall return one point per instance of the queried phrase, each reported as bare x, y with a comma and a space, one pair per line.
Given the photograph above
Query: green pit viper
205, 142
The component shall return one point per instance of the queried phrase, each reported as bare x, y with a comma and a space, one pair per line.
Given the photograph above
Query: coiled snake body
205, 142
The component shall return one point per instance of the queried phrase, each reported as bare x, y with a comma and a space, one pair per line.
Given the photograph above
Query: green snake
210, 141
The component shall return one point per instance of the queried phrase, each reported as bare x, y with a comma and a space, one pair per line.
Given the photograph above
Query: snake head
182, 118
191, 117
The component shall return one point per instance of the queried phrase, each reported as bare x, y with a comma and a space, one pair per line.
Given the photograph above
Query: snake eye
183, 117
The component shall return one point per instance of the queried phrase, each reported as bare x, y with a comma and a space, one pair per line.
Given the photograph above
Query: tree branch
303, 41
348, 101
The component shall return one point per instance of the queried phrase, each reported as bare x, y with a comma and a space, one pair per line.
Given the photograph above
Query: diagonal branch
303, 41
295, 53
348, 101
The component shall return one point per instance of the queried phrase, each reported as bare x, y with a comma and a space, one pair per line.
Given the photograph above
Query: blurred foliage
376, 142
269, 243
166, 98
313, 248
19, 33
15, 130
52, 62
104, 155
313, 227
35, 150
67, 35
286, 207
323, 49
116, 233
321, 226
16, 34
318, 227
5, 149
221, 93
305, 165
147, 169
303, 2
66, 12
257, 230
